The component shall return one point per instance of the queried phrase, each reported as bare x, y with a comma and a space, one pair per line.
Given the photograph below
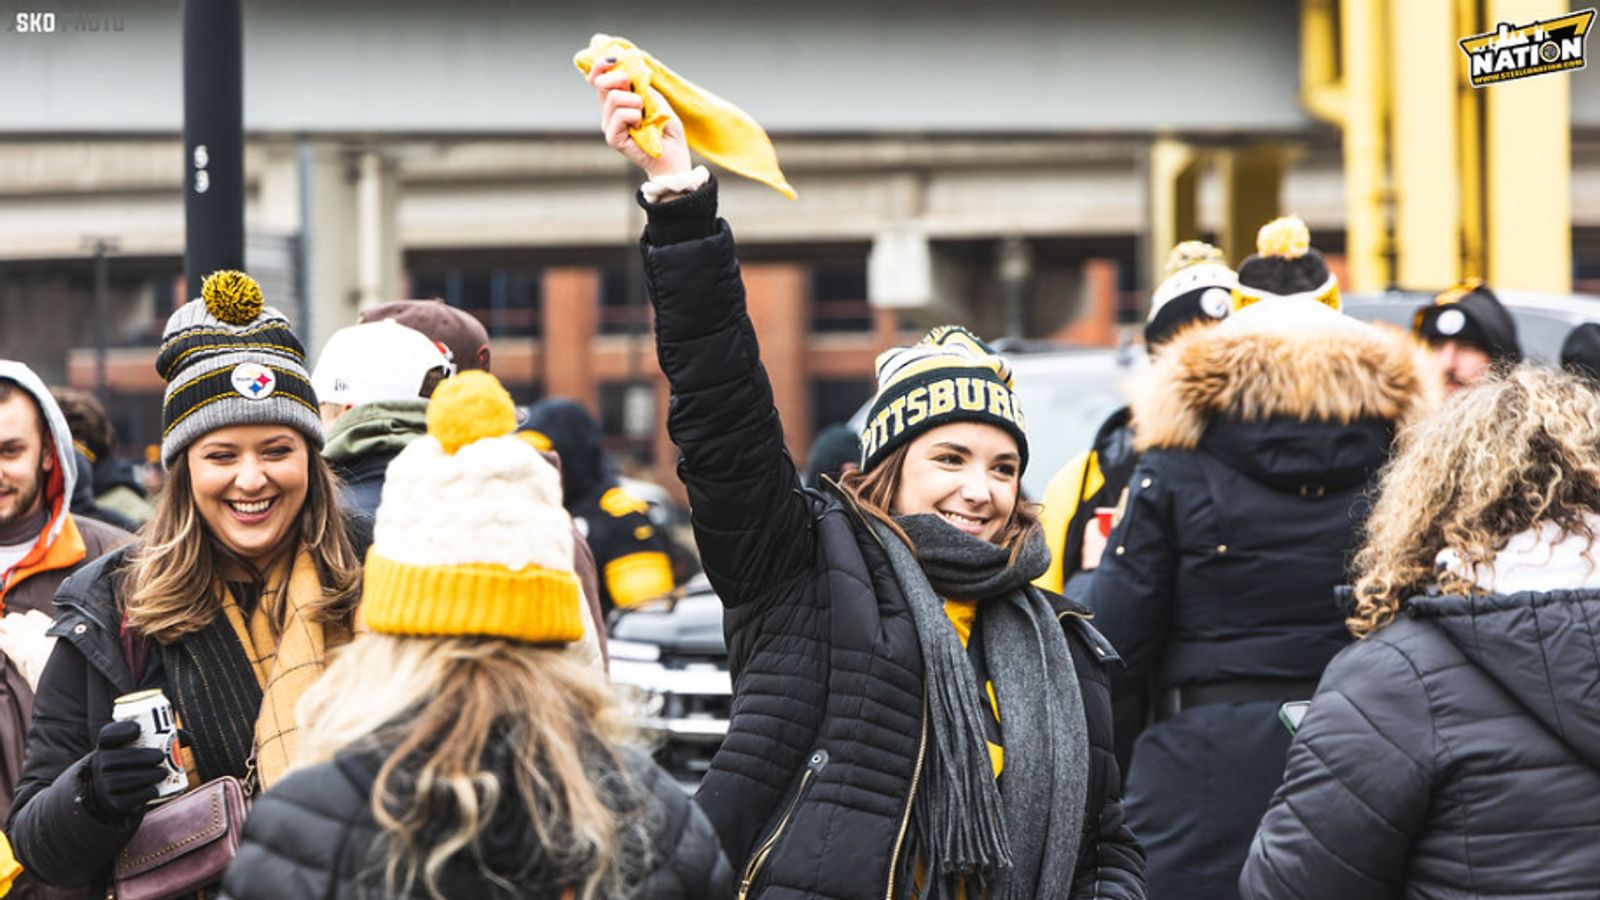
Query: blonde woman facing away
1454, 751
462, 749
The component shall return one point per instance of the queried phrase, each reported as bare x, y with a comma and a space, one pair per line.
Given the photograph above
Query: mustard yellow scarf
286, 659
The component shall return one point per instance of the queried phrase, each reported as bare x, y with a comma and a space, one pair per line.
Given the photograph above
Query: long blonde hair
434, 707
172, 578
1521, 448
875, 491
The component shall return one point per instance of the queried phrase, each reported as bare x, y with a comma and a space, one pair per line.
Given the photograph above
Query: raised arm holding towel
909, 716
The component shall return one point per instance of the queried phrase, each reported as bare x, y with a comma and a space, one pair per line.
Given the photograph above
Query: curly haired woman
1455, 749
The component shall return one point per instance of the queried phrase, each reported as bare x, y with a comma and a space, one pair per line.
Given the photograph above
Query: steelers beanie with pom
471, 539
1285, 265
1197, 287
228, 359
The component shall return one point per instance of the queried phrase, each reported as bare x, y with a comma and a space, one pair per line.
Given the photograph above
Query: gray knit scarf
1019, 841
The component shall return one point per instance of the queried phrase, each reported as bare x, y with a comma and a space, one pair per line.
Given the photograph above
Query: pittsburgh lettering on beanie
228, 359
470, 538
949, 376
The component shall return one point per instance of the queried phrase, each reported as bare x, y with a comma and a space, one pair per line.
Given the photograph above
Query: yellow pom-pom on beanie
232, 296
1286, 237
469, 407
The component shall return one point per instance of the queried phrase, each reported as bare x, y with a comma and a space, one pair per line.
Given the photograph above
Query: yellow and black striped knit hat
950, 375
230, 360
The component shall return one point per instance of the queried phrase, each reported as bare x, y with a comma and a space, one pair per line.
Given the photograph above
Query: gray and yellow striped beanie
230, 360
950, 375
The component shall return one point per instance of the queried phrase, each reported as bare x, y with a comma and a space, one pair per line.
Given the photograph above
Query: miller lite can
158, 730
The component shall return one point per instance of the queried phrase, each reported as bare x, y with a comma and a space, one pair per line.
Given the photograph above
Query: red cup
1104, 517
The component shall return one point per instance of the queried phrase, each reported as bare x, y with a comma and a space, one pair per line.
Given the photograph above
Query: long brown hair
874, 491
172, 578
436, 706
1496, 459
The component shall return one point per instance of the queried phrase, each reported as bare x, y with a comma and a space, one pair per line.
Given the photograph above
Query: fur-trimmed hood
1280, 360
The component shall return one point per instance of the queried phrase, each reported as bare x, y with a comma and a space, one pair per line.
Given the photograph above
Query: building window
839, 298
508, 301
624, 305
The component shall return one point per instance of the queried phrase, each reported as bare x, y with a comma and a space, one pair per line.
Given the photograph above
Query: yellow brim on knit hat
536, 604
471, 539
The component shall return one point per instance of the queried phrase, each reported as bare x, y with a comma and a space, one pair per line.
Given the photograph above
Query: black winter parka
811, 790
1454, 753
1259, 439
313, 837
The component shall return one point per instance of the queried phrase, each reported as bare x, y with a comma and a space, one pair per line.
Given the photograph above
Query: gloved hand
122, 779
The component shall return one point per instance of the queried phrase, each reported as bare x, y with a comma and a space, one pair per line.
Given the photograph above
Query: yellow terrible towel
714, 128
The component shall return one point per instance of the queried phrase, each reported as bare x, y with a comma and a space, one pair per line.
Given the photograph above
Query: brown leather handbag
183, 845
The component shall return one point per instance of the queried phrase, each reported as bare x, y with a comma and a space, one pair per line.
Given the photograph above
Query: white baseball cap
374, 362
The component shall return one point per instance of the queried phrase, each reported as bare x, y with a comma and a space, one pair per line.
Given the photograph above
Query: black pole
213, 138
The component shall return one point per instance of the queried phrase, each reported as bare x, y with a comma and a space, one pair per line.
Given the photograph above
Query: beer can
158, 730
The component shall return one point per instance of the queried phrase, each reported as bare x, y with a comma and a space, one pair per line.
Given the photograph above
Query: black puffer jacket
811, 790
1452, 754
1259, 440
313, 836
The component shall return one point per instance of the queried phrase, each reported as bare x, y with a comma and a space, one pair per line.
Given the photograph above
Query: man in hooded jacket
41, 543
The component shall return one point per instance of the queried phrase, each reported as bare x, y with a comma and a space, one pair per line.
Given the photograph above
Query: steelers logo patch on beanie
229, 359
950, 375
470, 538
1198, 287
1285, 265
1470, 314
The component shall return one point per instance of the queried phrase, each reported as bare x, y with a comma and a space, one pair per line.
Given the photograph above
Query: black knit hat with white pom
230, 360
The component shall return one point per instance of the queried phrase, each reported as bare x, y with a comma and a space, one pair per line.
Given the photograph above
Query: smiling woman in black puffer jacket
1455, 750
909, 716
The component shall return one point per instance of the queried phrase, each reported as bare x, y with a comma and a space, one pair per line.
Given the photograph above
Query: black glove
122, 779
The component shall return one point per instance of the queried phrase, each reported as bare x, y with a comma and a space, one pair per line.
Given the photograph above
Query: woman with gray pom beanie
245, 578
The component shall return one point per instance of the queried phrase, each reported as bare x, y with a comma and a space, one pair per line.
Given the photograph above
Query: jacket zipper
922, 739
814, 767
905, 817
